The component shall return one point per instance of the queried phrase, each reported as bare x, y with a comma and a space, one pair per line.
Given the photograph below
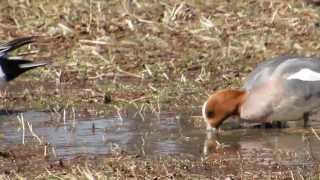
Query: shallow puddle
166, 134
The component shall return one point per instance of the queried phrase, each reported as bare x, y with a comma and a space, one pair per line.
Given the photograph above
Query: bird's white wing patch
3, 49
2, 75
305, 75
29, 65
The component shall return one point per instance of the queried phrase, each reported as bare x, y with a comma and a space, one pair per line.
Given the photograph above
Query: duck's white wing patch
305, 75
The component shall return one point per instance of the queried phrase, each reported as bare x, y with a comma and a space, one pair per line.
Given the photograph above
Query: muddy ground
113, 58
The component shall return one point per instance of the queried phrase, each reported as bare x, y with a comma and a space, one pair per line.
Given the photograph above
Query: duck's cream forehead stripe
209, 128
204, 110
305, 75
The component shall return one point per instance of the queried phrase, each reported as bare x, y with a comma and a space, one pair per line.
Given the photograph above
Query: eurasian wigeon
12, 67
280, 89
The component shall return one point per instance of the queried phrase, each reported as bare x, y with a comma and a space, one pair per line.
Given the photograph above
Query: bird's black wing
14, 44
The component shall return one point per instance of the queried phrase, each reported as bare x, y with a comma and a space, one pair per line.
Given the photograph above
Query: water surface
167, 134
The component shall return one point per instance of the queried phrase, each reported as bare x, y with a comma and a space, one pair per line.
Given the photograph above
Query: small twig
138, 99
128, 73
26, 53
64, 117
52, 175
292, 176
315, 133
65, 29
21, 120
74, 117
54, 152
148, 70
45, 151
127, 9
95, 42
143, 146
119, 114
33, 133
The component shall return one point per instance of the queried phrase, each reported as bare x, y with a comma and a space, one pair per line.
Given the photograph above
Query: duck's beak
211, 129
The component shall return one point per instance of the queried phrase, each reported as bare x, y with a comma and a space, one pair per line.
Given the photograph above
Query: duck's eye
210, 114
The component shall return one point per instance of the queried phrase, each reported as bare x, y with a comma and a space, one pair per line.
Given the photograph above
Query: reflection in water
167, 135
151, 136
274, 146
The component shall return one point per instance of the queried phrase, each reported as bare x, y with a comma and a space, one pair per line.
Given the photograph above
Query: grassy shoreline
152, 55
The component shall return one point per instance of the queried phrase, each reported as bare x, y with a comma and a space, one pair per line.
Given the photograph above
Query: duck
12, 67
285, 88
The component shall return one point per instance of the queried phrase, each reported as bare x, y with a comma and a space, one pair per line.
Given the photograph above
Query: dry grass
154, 55
30, 163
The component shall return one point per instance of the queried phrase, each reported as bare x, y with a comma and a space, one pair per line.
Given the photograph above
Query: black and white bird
12, 67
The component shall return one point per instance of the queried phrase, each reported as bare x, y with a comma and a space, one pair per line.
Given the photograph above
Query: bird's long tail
14, 44
31, 65
14, 68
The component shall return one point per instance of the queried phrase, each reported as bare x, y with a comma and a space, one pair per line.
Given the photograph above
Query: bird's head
221, 105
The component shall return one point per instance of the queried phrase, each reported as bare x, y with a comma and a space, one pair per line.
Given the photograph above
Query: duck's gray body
284, 88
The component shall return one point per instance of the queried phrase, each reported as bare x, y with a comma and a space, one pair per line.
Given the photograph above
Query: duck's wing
301, 81
265, 70
283, 91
